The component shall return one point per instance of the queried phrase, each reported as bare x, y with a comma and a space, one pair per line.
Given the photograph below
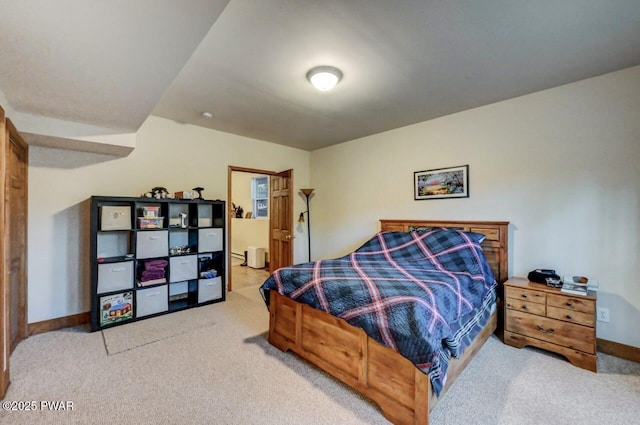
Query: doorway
252, 229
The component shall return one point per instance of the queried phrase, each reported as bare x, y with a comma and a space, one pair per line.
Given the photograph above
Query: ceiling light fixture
324, 78
207, 115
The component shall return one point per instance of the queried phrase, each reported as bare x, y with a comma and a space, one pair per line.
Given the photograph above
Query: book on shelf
574, 288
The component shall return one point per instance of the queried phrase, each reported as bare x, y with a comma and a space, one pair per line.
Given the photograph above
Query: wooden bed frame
401, 390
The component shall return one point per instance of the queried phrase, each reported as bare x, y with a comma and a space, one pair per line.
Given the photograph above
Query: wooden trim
5, 344
622, 351
13, 136
59, 323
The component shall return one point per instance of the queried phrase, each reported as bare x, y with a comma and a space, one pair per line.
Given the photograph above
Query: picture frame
441, 183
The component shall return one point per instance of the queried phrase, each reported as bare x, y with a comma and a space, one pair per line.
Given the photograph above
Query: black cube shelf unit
154, 256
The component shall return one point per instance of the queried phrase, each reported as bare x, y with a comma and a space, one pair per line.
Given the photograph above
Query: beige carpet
137, 334
213, 365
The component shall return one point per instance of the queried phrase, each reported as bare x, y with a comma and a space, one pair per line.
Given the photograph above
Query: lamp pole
307, 193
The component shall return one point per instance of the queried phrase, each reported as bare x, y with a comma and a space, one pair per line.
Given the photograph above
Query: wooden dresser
544, 317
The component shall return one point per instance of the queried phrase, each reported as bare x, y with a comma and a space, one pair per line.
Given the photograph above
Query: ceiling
114, 63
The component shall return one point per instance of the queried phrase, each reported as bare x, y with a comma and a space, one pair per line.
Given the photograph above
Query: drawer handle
569, 304
118, 269
524, 295
152, 294
569, 317
547, 331
153, 238
524, 307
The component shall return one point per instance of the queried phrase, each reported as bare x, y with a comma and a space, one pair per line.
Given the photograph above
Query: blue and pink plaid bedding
408, 291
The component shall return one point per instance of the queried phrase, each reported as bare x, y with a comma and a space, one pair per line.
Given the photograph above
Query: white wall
176, 156
562, 165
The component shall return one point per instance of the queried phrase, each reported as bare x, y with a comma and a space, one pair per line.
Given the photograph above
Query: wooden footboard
401, 390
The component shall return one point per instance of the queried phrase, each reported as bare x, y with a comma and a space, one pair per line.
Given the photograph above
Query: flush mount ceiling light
324, 78
207, 115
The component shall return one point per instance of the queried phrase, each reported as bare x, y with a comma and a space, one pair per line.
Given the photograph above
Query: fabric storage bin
183, 268
115, 276
152, 300
151, 244
209, 289
115, 218
209, 240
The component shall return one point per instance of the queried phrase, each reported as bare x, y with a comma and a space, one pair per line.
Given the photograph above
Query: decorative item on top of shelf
185, 194
159, 192
198, 191
441, 183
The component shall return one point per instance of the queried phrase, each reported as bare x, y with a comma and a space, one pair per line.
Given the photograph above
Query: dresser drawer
526, 306
554, 331
580, 304
525, 294
586, 319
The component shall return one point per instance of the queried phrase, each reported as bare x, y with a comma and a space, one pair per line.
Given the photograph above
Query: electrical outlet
603, 314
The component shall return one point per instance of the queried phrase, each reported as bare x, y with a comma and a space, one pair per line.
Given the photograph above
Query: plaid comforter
406, 290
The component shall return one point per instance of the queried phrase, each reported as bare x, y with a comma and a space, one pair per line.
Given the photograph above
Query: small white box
209, 240
152, 300
115, 276
115, 218
152, 243
255, 257
183, 268
209, 289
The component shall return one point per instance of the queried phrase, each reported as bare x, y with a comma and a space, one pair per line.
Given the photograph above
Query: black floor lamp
307, 193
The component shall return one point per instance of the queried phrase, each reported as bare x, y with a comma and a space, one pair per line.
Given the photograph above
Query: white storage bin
115, 218
183, 268
209, 289
152, 300
255, 257
151, 244
209, 240
115, 276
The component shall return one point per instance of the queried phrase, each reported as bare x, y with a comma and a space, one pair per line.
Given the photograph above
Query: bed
402, 388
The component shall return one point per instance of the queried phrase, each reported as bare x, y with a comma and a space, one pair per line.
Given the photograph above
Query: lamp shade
324, 78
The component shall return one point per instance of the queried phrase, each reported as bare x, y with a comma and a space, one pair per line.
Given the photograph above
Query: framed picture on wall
441, 183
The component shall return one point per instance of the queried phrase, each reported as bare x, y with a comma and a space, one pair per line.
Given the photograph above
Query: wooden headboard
495, 246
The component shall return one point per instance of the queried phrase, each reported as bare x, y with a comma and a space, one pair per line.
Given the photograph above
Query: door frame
13, 137
9, 134
5, 344
230, 170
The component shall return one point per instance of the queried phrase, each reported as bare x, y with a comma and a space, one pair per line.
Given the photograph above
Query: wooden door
16, 233
281, 221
